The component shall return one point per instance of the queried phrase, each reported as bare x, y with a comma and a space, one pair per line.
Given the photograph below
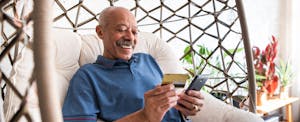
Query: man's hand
158, 101
191, 103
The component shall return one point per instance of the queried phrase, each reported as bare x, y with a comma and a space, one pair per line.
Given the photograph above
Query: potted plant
264, 65
286, 75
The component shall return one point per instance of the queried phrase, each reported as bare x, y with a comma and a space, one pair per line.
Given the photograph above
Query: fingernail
172, 86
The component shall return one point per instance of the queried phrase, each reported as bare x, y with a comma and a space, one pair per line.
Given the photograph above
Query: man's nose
129, 36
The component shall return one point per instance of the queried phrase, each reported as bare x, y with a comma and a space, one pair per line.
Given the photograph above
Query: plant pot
271, 86
240, 102
261, 97
284, 92
222, 95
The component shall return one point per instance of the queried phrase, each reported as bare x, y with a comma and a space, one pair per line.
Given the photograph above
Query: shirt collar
109, 63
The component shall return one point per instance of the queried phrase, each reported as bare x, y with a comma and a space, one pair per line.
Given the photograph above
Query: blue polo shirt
111, 89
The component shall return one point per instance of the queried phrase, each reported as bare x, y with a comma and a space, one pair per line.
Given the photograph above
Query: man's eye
121, 30
134, 32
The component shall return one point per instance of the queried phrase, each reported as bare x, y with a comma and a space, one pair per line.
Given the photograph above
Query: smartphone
197, 83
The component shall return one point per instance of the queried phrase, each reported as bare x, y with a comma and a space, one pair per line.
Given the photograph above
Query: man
122, 86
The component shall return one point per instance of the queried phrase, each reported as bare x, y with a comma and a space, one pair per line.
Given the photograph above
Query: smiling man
118, 30
122, 86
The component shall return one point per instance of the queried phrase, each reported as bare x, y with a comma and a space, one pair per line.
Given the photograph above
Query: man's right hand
158, 101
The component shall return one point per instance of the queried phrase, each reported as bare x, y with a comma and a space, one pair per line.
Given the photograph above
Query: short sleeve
80, 102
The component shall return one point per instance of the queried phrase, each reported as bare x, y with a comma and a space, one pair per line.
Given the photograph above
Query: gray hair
103, 15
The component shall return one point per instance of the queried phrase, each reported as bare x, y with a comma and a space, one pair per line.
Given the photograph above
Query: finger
161, 96
190, 105
185, 111
195, 94
166, 99
200, 104
191, 99
169, 105
185, 104
167, 95
170, 99
162, 99
162, 89
187, 98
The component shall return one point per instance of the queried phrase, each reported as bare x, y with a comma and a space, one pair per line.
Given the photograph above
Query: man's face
119, 35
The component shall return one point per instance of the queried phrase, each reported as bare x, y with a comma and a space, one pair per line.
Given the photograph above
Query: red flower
264, 65
256, 52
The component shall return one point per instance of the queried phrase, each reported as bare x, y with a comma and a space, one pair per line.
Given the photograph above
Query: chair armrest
214, 110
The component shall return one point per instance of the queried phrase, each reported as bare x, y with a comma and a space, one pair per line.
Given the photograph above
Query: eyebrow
134, 27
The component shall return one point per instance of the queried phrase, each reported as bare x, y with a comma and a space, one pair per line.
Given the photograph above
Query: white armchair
73, 50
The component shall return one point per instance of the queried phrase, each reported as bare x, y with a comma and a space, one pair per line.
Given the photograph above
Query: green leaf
187, 49
232, 50
260, 77
188, 57
285, 72
203, 50
259, 84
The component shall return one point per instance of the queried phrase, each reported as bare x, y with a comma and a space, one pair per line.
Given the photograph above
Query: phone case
197, 83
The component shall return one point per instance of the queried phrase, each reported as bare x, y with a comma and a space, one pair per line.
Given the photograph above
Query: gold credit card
170, 78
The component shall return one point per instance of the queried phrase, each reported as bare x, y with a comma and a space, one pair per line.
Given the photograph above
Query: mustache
123, 42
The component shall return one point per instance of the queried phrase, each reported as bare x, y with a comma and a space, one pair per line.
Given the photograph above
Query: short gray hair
103, 16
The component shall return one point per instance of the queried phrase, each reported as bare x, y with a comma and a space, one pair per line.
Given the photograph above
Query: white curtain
295, 38
289, 45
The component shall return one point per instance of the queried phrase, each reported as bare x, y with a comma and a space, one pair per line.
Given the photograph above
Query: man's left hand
191, 103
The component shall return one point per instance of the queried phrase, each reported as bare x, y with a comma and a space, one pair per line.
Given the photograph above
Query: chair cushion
67, 51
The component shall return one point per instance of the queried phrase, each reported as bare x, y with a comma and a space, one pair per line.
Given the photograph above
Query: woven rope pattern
207, 25
208, 31
15, 19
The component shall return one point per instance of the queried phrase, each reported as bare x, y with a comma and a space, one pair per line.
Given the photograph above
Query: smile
125, 44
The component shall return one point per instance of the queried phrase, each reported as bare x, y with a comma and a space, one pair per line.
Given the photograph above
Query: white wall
263, 20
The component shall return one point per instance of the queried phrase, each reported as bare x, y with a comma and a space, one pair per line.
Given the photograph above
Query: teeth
124, 44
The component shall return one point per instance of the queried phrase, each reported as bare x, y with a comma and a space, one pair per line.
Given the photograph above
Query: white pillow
67, 51
68, 46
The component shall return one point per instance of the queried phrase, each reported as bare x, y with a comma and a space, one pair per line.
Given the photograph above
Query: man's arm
138, 116
80, 101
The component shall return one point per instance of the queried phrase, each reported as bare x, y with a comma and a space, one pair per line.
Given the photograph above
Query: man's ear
99, 31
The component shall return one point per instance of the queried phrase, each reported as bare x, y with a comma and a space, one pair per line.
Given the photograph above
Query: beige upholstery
73, 50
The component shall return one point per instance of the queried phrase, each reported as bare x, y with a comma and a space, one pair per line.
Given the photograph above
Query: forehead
125, 26
122, 18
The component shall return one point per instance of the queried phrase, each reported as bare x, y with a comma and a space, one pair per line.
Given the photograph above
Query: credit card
171, 78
